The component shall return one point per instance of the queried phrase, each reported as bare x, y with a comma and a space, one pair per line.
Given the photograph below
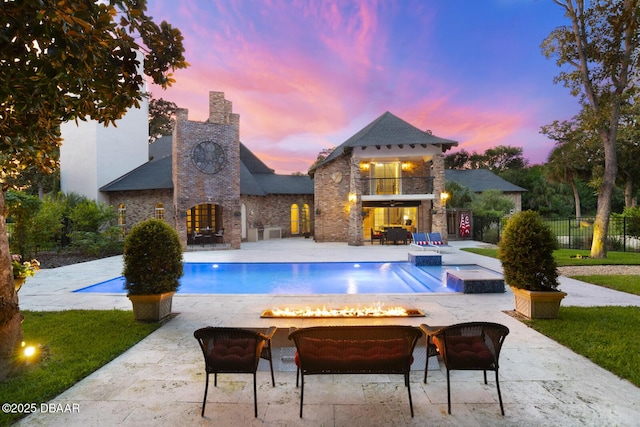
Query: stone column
355, 237
439, 223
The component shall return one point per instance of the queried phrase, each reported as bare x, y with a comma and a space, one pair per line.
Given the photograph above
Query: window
295, 219
122, 217
386, 178
202, 217
159, 211
304, 219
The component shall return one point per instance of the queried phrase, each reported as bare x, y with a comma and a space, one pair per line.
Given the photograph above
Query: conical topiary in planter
526, 253
152, 268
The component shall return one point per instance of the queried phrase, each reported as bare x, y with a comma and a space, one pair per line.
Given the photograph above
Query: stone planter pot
151, 308
538, 304
18, 282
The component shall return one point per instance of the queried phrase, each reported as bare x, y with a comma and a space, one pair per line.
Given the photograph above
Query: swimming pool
303, 278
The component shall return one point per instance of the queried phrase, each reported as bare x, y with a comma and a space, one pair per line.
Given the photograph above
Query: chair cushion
352, 355
466, 352
229, 354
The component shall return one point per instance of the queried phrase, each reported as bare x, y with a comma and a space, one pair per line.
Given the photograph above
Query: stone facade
203, 176
331, 191
141, 205
275, 211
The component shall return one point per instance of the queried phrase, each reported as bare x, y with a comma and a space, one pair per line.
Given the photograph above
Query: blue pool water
304, 278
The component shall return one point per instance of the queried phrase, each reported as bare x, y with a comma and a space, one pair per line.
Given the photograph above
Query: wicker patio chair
473, 346
234, 351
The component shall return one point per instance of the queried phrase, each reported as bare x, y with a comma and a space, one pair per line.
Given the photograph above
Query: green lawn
74, 344
608, 336
570, 257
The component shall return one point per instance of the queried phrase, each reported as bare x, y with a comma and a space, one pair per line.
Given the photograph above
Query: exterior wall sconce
406, 166
364, 166
353, 197
444, 196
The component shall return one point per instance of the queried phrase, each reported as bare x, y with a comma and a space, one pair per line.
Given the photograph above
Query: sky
306, 75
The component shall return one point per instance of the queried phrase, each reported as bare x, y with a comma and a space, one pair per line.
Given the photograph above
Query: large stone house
389, 174
202, 179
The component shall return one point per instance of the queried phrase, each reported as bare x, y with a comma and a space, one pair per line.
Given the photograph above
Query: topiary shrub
152, 259
526, 253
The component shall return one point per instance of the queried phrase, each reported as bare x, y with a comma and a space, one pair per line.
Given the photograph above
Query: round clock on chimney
209, 157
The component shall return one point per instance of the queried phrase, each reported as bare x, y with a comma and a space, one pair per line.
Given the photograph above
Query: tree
500, 158
496, 159
629, 151
460, 196
600, 46
570, 159
458, 160
68, 60
492, 203
161, 118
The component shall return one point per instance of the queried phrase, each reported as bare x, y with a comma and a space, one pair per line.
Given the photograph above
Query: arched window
295, 219
159, 211
305, 223
122, 217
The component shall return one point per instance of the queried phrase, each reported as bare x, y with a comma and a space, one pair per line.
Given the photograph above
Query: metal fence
571, 233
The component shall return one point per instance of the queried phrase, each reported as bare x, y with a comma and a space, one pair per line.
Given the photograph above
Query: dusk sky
307, 75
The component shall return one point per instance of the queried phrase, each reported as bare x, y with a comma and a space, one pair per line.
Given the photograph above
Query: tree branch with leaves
63, 60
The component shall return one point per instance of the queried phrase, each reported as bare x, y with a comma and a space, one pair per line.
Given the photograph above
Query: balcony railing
390, 186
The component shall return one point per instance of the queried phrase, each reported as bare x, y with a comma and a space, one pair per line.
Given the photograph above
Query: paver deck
160, 381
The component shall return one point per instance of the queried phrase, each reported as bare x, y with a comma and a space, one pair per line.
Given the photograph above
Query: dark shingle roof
153, 175
479, 180
388, 129
160, 148
256, 179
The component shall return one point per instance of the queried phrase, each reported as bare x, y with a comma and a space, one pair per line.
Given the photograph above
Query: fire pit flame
376, 311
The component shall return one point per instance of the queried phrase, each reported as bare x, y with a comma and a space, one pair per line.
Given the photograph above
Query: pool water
304, 278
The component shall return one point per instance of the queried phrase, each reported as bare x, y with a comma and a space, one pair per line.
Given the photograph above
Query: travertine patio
160, 381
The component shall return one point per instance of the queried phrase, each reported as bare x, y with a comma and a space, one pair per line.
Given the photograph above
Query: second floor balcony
414, 185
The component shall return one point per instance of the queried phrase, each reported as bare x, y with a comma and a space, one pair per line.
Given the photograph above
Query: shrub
526, 253
152, 258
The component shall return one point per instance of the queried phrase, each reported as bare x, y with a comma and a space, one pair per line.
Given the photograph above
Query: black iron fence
571, 233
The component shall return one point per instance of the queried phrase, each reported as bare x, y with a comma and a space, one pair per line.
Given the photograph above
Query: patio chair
472, 346
420, 241
435, 239
377, 236
234, 351
218, 237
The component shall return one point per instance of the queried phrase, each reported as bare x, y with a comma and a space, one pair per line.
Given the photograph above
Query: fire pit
324, 312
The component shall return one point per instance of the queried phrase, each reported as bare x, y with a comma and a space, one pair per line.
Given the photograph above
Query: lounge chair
420, 241
435, 239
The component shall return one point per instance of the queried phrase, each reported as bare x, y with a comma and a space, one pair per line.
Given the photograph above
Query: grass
604, 335
74, 343
622, 283
572, 257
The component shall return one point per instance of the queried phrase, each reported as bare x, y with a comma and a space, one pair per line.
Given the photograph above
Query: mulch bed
60, 259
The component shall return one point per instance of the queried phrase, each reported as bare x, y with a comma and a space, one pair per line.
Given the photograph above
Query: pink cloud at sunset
307, 75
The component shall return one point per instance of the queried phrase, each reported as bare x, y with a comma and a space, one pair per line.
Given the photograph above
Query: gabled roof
154, 175
256, 179
388, 129
479, 180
